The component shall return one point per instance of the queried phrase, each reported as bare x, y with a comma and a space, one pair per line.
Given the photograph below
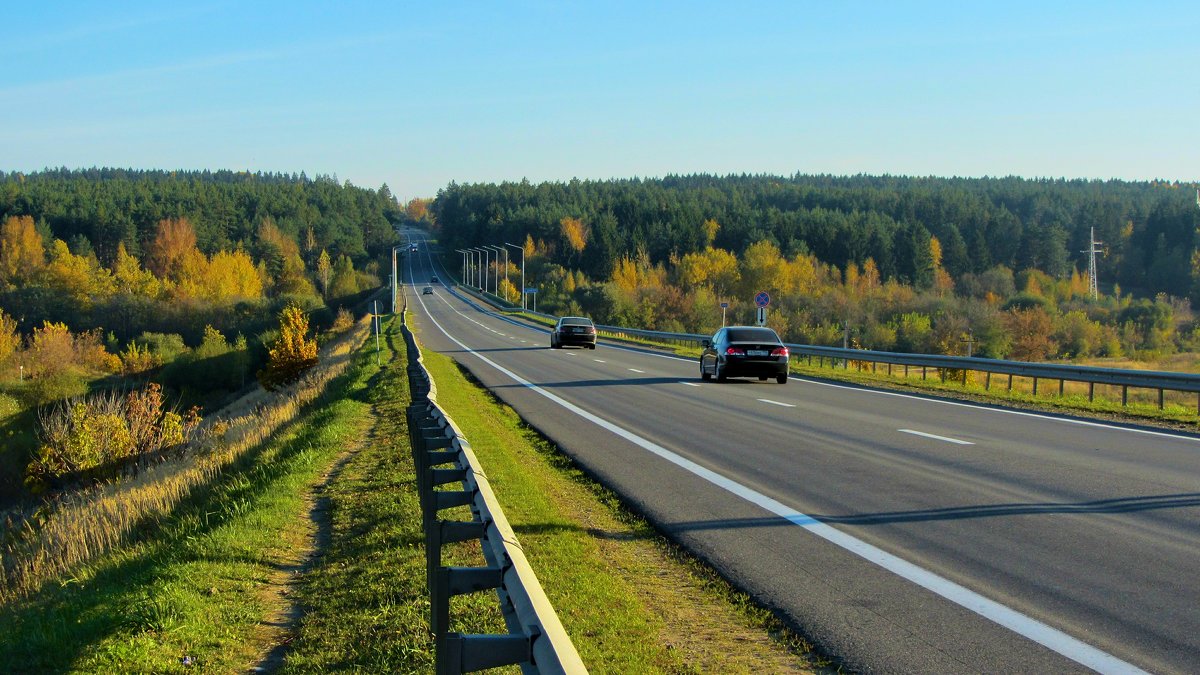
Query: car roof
751, 333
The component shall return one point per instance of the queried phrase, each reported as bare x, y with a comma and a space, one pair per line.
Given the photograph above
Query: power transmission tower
1093, 249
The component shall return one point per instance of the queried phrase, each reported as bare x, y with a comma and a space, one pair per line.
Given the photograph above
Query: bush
292, 353
93, 437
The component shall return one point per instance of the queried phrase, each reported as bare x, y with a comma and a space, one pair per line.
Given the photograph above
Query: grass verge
630, 601
367, 606
191, 589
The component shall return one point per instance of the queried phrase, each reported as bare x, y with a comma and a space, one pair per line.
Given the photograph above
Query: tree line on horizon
109, 272
895, 263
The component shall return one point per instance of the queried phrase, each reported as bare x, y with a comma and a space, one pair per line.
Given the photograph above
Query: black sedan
573, 330
744, 351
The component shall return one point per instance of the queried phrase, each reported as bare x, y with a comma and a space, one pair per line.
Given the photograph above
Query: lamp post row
476, 277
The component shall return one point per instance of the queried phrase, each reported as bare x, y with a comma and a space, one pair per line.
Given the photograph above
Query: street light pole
463, 278
497, 249
474, 267
395, 280
486, 259
522, 248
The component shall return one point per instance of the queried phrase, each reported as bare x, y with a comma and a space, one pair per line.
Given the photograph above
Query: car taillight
779, 351
734, 351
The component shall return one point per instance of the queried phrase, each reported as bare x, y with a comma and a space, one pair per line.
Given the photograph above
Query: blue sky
417, 95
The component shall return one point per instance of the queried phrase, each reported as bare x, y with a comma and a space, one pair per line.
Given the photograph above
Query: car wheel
781, 378
592, 346
718, 372
704, 374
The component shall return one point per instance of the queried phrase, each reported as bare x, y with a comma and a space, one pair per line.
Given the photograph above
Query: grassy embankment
189, 585
207, 584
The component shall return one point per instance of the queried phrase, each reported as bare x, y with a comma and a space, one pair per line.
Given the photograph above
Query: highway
900, 533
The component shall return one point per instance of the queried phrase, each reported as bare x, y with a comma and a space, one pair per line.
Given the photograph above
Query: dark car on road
428, 290
433, 279
573, 330
744, 351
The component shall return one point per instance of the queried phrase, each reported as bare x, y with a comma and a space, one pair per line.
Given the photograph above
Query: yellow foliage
10, 340
293, 352
269, 233
232, 276
764, 269
710, 232
575, 233
131, 278
173, 240
22, 253
76, 277
51, 350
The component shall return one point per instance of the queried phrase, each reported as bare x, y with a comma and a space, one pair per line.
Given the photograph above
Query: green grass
1179, 409
366, 599
630, 601
194, 589
194, 585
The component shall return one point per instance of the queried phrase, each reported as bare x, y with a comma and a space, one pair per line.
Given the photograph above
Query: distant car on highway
433, 279
573, 330
744, 351
413, 248
428, 290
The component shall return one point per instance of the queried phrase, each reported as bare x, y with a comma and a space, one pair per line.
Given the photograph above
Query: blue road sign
762, 299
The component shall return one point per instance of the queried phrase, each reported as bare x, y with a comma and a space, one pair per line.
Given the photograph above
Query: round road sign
762, 299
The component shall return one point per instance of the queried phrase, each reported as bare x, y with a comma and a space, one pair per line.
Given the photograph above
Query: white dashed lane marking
936, 437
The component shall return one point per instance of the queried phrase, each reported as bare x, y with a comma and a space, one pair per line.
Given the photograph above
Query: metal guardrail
1158, 380
536, 639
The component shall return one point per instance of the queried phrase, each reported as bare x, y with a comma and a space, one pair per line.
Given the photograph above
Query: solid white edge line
635, 370
1047, 636
935, 436
690, 384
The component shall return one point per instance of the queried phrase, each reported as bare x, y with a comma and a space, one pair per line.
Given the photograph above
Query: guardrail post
1124, 394
1035, 384
1160, 399
469, 653
1091, 391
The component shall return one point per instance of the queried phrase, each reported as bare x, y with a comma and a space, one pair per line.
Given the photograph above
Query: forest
130, 252
922, 264
111, 278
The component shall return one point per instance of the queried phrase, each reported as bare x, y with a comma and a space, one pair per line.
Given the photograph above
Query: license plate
758, 352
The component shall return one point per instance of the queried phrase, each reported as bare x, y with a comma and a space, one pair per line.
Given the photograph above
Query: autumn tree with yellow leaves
292, 353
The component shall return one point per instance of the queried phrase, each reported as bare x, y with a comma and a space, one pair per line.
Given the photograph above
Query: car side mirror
706, 343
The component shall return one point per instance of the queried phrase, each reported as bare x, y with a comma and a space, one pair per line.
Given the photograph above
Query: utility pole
1092, 250
970, 342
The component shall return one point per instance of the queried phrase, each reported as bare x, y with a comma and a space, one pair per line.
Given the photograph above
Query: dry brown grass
55, 539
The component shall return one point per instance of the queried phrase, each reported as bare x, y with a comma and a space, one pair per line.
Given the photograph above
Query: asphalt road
902, 534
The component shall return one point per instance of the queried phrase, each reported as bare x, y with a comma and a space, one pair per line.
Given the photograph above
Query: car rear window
575, 321
752, 335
